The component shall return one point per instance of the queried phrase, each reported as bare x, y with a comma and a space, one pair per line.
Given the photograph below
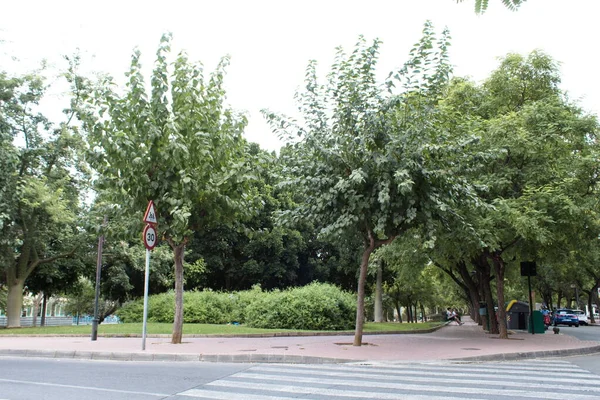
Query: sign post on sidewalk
97, 289
528, 269
150, 239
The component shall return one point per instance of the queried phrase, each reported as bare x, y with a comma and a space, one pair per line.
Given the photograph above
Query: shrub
207, 307
313, 307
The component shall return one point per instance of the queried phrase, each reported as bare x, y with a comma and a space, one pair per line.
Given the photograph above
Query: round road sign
150, 238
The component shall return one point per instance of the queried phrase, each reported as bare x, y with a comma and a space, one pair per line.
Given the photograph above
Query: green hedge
313, 307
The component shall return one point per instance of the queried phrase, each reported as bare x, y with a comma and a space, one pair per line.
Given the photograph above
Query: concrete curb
221, 358
531, 354
272, 358
244, 335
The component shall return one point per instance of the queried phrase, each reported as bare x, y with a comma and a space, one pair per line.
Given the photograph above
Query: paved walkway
467, 342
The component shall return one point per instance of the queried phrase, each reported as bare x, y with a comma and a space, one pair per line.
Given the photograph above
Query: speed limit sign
150, 238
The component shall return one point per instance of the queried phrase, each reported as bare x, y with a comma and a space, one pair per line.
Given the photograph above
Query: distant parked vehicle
565, 317
583, 318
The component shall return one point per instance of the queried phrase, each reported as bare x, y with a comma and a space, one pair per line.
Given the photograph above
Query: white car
583, 319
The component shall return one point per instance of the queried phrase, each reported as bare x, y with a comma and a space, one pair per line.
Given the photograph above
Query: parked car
565, 317
583, 318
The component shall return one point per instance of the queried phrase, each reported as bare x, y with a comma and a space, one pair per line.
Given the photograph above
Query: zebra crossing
533, 379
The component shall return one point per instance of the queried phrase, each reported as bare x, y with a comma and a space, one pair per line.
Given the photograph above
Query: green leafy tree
39, 187
482, 5
178, 145
368, 163
544, 165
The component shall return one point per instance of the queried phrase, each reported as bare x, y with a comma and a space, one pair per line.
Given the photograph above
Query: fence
50, 321
63, 321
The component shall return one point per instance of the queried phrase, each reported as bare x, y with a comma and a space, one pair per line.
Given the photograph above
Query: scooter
547, 321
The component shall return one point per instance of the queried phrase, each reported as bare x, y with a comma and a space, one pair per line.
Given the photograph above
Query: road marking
453, 381
382, 395
441, 373
83, 387
211, 394
419, 381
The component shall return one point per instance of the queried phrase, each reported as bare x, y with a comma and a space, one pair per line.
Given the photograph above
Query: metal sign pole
530, 305
98, 274
146, 279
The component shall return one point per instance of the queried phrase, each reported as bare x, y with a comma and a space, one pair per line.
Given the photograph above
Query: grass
191, 329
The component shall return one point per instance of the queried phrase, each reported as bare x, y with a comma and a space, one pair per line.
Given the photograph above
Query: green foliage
482, 5
316, 306
81, 298
177, 144
39, 186
3, 295
367, 160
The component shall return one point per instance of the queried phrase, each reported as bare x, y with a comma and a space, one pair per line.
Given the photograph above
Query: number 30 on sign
150, 238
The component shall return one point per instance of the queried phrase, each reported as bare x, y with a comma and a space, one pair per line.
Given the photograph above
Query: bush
313, 307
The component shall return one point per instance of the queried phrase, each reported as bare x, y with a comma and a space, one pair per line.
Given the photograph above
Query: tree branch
37, 260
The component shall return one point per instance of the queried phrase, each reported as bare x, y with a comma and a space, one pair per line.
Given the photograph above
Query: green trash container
538, 323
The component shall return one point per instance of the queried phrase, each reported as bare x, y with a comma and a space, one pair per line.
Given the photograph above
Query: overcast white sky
271, 41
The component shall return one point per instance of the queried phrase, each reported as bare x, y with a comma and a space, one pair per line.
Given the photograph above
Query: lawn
192, 329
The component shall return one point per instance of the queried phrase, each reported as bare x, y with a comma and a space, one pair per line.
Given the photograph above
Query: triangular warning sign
150, 215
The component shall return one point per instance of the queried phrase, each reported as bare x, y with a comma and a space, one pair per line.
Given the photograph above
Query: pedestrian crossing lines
535, 379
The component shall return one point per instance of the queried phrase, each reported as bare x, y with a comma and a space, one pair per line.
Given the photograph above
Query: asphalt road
590, 332
52, 379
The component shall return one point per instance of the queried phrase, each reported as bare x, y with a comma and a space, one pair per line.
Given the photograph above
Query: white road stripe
574, 370
489, 374
213, 394
83, 387
454, 381
372, 394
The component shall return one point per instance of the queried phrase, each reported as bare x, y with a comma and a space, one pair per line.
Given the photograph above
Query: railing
87, 320
49, 321
62, 321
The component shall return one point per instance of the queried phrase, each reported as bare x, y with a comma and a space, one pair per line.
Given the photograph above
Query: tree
482, 5
179, 145
367, 163
543, 165
39, 187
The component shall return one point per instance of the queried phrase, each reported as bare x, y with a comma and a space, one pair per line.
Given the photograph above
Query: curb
220, 358
531, 355
273, 358
236, 335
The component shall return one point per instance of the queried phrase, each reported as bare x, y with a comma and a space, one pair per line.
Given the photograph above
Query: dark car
566, 317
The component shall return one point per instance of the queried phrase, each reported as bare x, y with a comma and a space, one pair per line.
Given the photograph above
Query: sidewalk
452, 342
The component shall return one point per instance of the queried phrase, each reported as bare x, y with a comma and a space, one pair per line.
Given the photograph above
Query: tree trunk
591, 301
499, 268
360, 301
473, 291
44, 305
559, 297
36, 308
483, 267
398, 311
379, 292
178, 252
14, 303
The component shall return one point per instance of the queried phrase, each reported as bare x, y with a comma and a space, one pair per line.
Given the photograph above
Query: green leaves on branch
177, 144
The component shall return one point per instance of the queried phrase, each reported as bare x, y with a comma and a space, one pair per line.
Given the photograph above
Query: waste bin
517, 315
485, 321
482, 309
538, 323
